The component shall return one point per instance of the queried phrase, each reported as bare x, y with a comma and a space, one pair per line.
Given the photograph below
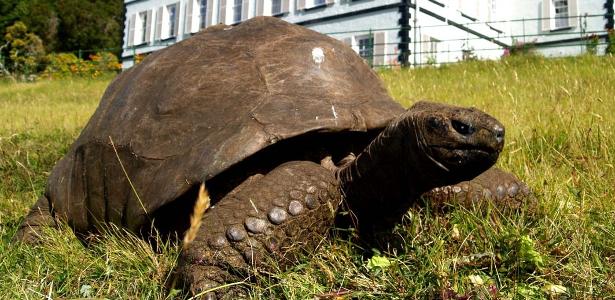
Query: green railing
476, 40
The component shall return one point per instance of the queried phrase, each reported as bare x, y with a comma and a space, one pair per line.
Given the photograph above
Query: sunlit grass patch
559, 123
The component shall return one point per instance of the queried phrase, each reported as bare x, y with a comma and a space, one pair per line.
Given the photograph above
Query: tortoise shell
197, 108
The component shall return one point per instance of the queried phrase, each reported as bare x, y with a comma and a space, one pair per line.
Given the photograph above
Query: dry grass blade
134, 190
201, 205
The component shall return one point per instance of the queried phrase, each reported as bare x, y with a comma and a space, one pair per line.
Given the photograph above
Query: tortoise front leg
502, 188
268, 221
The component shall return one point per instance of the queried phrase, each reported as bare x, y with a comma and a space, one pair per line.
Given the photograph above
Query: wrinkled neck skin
386, 178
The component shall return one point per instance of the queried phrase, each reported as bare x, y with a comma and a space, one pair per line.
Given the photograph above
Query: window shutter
131, 30
379, 48
158, 29
210, 11
148, 26
573, 13
285, 5
546, 15
300, 4
244, 9
176, 19
188, 21
330, 2
222, 12
259, 8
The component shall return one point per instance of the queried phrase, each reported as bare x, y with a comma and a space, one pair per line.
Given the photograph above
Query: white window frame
158, 21
142, 20
130, 38
561, 19
168, 25
553, 21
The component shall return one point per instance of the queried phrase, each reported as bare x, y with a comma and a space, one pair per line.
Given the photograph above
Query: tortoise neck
384, 180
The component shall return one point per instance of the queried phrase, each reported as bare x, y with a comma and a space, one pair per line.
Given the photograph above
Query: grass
560, 123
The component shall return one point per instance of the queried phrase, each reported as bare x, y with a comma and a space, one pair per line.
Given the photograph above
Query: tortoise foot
501, 188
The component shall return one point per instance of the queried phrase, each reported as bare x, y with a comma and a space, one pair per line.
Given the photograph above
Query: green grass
559, 120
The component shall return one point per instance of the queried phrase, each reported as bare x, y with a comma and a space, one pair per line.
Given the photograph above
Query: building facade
384, 32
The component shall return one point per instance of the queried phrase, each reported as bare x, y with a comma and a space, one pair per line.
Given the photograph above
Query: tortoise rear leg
39, 217
502, 188
269, 221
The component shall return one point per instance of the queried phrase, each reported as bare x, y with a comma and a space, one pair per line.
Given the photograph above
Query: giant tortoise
267, 115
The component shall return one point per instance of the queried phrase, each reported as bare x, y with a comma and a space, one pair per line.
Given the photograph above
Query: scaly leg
504, 189
276, 217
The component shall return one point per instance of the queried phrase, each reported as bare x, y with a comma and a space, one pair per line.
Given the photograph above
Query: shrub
67, 64
106, 62
591, 44
24, 50
520, 48
610, 47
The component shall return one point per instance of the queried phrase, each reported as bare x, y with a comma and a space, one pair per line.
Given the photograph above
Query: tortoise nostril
462, 127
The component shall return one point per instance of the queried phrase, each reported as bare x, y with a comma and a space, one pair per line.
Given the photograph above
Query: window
366, 47
319, 2
171, 19
143, 27
237, 10
561, 13
276, 7
202, 14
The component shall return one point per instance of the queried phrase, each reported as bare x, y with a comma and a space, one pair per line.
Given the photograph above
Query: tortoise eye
462, 127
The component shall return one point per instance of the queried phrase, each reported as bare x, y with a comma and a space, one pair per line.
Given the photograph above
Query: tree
90, 24
25, 49
68, 25
41, 18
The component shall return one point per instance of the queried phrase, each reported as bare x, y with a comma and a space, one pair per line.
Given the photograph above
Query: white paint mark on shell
318, 55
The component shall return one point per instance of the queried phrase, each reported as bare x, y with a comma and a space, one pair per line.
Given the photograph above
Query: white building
385, 32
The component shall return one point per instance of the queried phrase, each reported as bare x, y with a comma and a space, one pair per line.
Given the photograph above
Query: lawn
559, 116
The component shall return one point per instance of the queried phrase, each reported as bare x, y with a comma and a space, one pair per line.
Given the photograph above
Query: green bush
610, 47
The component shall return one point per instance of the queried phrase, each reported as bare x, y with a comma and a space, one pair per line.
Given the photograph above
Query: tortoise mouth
467, 148
465, 156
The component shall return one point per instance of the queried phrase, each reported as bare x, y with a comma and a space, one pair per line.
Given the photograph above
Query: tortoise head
429, 145
460, 141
